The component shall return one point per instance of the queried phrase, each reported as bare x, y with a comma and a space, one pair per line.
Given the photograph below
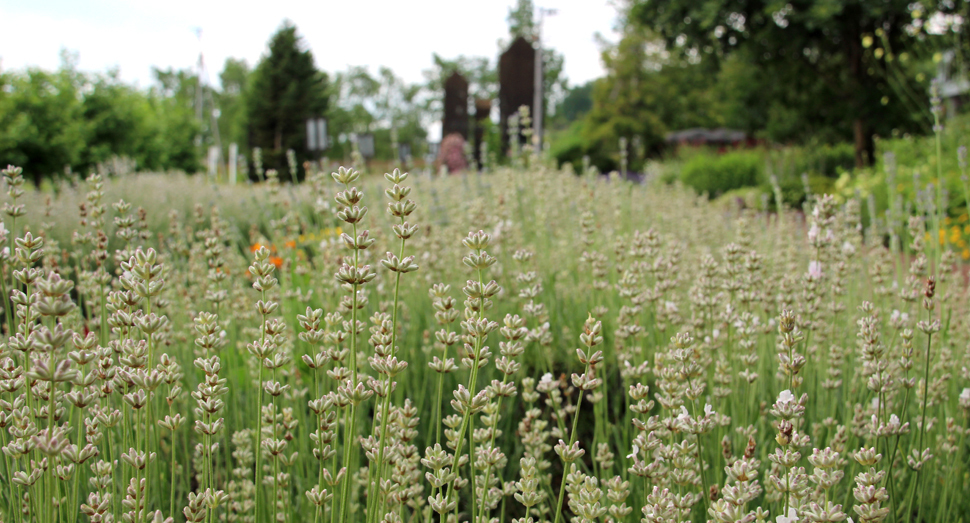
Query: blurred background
735, 98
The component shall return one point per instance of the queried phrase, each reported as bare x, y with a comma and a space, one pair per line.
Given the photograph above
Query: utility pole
201, 93
200, 68
539, 81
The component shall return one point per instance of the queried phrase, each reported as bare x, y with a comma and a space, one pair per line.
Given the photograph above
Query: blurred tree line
70, 121
790, 72
795, 72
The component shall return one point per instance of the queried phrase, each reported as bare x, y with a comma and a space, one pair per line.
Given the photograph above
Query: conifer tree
286, 90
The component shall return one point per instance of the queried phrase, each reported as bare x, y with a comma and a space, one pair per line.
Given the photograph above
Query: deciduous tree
819, 71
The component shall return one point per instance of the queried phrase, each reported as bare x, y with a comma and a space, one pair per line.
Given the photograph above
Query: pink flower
815, 269
813, 233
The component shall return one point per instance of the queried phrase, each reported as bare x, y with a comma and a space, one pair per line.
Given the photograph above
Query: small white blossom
546, 378
848, 249
786, 396
683, 413
708, 410
792, 517
635, 454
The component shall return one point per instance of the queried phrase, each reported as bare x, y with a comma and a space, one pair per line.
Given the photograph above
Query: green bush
826, 160
51, 121
571, 146
793, 192
716, 175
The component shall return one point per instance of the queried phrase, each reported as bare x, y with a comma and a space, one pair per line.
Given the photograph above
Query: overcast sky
402, 34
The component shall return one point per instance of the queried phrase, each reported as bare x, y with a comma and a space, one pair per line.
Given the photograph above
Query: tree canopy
66, 120
819, 77
286, 89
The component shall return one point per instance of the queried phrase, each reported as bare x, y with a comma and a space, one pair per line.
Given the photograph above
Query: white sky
135, 35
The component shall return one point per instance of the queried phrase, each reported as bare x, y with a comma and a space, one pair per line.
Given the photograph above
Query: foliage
646, 93
830, 160
794, 192
286, 89
69, 120
231, 104
817, 74
571, 146
717, 174
704, 334
41, 122
364, 103
577, 102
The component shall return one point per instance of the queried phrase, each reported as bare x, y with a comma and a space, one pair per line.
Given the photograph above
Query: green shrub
793, 193
716, 175
571, 146
568, 147
826, 160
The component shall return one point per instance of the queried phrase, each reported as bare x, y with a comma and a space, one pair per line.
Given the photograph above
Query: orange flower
291, 244
255, 247
276, 260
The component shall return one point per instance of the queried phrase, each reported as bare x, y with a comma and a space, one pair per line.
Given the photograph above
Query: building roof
700, 135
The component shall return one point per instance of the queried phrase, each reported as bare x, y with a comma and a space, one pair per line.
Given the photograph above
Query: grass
595, 350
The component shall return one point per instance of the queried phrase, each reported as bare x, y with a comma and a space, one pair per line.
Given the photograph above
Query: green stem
491, 445
922, 427
259, 432
351, 430
572, 439
437, 405
385, 406
171, 499
276, 460
472, 390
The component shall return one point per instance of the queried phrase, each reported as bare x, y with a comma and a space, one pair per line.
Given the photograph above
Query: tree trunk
862, 155
862, 137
